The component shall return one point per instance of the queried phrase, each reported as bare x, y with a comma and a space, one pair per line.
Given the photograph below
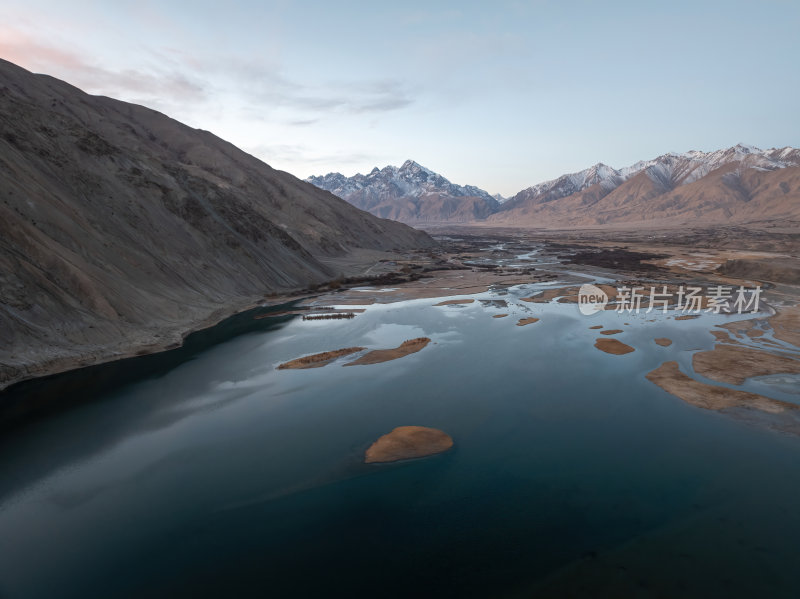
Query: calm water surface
571, 473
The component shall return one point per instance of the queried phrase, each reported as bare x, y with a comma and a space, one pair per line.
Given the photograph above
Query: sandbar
723, 336
319, 360
454, 301
523, 321
613, 346
735, 364
408, 442
710, 397
377, 356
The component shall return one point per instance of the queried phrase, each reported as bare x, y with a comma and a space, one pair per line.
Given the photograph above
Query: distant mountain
411, 194
122, 229
734, 185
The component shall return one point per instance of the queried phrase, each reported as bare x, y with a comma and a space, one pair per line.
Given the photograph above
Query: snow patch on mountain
669, 170
411, 180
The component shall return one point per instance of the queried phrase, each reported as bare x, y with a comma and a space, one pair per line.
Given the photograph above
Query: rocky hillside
121, 229
411, 194
737, 185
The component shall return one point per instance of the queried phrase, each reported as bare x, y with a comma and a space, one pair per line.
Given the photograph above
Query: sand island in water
408, 442
377, 356
319, 360
523, 321
612, 346
710, 397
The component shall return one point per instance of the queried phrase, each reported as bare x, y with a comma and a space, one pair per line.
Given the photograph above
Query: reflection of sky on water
541, 420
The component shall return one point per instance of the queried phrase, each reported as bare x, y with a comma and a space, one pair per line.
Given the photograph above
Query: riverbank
21, 364
458, 267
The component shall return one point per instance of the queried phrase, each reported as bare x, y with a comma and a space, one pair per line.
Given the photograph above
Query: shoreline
437, 284
75, 364
39, 396
453, 271
173, 339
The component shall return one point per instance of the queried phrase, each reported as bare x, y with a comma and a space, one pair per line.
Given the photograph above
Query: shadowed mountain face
410, 193
741, 184
121, 228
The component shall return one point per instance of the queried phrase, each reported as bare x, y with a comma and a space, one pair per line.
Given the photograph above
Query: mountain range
410, 193
735, 185
122, 229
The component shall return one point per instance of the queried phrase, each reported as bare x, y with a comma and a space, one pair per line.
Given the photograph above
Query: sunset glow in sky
501, 95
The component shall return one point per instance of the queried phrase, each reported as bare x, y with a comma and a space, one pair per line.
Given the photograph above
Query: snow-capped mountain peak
738, 184
668, 170
411, 179
407, 192
414, 193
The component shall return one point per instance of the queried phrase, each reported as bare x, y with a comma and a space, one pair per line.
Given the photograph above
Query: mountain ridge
414, 194
671, 189
409, 193
122, 229
673, 167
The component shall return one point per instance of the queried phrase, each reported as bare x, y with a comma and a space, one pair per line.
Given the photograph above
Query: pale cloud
267, 86
20, 48
302, 122
305, 155
518, 91
169, 79
158, 88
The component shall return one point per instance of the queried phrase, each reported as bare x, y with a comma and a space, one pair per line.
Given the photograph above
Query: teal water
213, 474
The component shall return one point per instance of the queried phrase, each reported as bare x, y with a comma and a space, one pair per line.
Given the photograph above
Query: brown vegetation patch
611, 332
776, 269
663, 341
786, 325
616, 259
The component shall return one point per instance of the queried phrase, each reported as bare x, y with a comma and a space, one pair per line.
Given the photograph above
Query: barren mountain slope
427, 208
121, 229
732, 193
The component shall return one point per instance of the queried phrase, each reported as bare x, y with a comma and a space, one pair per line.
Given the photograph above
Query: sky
501, 95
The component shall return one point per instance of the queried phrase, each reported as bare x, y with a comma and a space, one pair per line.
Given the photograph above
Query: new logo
591, 299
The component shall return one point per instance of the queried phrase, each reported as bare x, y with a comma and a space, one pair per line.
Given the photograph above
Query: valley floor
491, 437
470, 261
